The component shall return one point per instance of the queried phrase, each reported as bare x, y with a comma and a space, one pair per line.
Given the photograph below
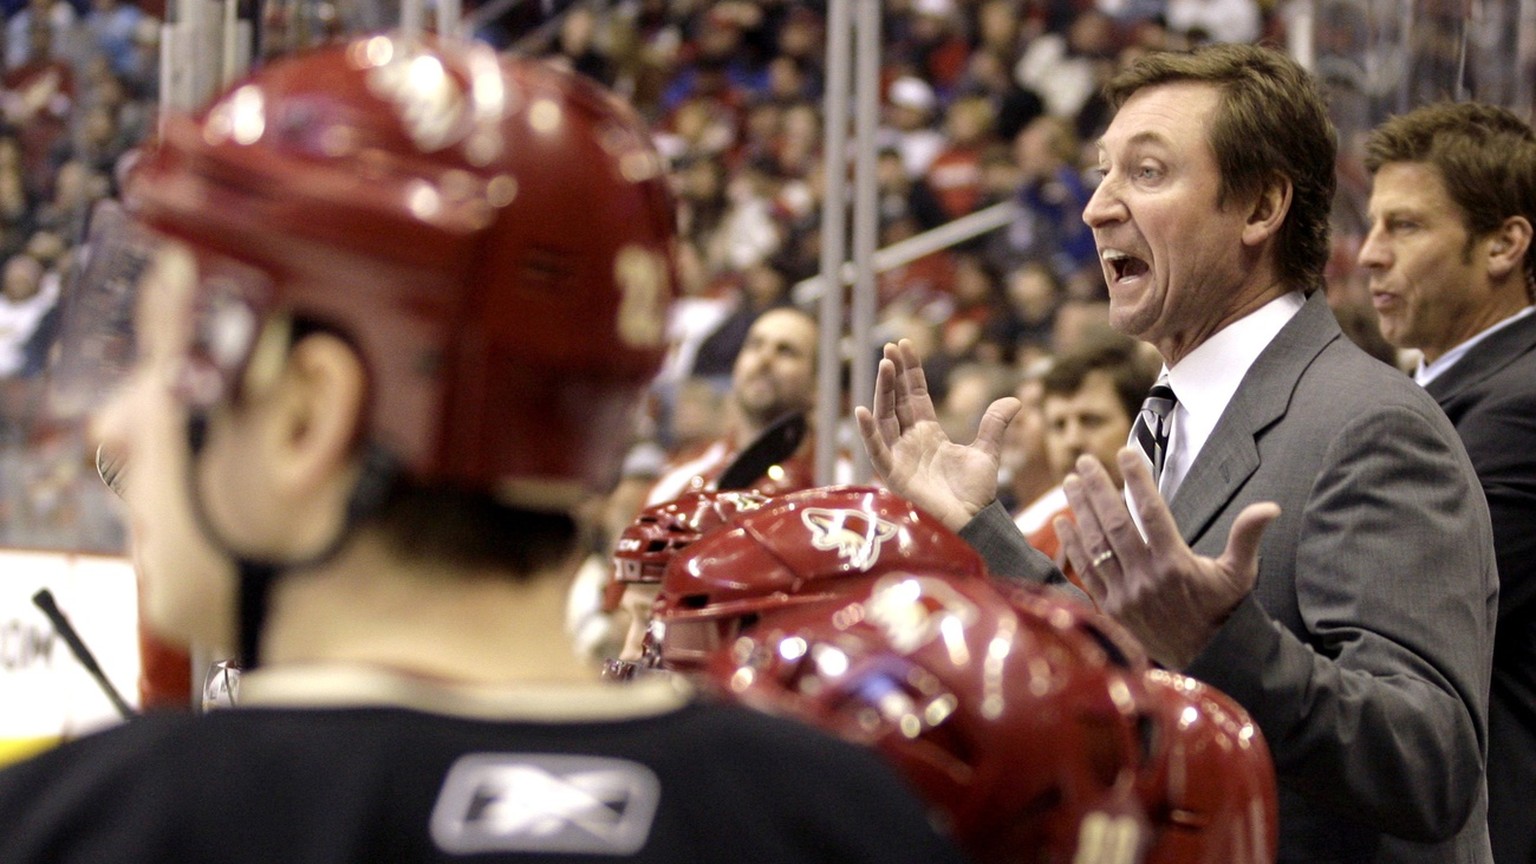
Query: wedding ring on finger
1101, 558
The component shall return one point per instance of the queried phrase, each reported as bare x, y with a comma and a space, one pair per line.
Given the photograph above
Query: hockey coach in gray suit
1315, 542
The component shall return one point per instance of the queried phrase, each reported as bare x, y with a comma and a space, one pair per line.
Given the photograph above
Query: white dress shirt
1207, 378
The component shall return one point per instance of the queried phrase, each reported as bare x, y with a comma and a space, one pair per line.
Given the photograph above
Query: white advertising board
45, 694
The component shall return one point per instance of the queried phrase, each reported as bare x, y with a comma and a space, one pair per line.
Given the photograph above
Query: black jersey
383, 783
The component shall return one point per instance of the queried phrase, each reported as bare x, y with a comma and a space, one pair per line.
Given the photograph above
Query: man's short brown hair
1271, 121
1486, 157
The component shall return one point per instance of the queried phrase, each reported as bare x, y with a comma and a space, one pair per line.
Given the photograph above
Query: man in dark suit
1451, 262
1316, 544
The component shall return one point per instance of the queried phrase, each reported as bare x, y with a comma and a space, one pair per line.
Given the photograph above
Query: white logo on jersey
914, 610
854, 535
544, 803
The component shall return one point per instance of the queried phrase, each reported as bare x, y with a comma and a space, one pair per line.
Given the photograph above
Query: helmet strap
255, 587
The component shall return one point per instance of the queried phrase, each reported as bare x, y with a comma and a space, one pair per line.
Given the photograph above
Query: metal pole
1468, 18
1525, 60
1302, 41
230, 30
833, 239
866, 214
412, 20
809, 290
1405, 34
449, 17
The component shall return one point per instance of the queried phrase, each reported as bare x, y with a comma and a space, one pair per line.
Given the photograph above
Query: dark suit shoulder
1311, 367
1503, 361
1505, 386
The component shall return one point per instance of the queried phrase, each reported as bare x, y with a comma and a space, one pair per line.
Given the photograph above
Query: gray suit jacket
1363, 652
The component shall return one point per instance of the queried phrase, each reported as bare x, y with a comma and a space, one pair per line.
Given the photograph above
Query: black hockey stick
44, 600
776, 443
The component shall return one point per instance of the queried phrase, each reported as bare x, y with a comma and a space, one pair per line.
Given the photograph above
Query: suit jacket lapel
1486, 358
1231, 454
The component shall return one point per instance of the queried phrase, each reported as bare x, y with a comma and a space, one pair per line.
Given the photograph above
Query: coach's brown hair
1271, 122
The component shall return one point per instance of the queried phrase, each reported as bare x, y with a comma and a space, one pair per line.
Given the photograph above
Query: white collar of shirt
347, 685
1428, 372
1206, 379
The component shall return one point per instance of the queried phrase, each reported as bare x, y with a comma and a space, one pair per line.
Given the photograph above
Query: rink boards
45, 694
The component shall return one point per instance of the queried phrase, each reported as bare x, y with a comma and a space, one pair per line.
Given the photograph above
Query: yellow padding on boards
17, 749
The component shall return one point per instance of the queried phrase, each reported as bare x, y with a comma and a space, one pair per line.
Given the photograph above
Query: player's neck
369, 609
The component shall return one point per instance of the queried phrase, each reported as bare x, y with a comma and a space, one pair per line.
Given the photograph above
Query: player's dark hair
1115, 355
471, 530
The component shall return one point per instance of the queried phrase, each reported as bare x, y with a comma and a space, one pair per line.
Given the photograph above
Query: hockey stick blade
776, 443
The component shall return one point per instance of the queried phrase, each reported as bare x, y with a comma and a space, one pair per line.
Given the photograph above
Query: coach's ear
1508, 246
1268, 211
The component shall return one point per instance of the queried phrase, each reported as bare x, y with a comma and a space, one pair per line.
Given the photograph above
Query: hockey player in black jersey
400, 301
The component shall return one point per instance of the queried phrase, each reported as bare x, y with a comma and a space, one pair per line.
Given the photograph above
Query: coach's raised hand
913, 455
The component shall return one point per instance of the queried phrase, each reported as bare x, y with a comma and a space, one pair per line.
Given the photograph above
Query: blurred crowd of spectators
76, 93
982, 102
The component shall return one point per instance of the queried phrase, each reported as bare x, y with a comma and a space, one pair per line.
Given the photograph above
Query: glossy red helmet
813, 547
1022, 730
662, 530
494, 235
1210, 783
641, 555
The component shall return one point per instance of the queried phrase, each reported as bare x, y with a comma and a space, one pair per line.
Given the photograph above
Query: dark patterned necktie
1153, 423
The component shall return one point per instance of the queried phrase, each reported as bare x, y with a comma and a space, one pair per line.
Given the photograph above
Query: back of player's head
492, 235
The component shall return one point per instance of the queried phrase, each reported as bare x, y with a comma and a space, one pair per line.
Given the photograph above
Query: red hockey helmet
1023, 731
810, 547
1210, 783
663, 530
494, 235
640, 557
